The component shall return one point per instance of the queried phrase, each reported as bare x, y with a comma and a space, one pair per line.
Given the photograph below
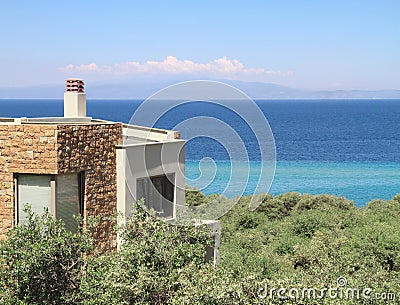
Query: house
79, 165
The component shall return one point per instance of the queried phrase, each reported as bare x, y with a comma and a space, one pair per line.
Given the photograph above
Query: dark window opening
158, 193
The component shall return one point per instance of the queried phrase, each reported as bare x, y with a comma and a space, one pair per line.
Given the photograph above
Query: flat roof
131, 133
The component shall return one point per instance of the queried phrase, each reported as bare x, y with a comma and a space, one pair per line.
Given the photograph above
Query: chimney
74, 98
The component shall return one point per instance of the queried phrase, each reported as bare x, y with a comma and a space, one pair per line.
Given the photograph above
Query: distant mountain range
141, 90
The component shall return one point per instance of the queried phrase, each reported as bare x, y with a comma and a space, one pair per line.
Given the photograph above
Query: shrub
247, 221
41, 261
194, 197
147, 269
273, 208
309, 241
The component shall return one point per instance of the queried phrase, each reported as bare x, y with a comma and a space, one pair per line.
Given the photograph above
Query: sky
317, 45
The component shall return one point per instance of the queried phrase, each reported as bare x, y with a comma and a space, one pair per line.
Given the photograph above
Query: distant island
141, 90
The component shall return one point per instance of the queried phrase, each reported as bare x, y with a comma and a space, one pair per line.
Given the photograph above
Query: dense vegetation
303, 241
291, 241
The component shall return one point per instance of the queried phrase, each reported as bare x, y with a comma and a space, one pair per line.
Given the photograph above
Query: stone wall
27, 149
91, 149
58, 149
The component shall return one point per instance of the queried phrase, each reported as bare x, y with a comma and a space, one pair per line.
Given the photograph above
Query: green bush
291, 240
194, 197
160, 263
41, 262
310, 241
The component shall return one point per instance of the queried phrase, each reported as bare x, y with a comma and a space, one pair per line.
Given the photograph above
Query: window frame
172, 181
81, 188
53, 193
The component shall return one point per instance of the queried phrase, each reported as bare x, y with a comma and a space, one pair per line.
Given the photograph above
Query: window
34, 190
61, 195
69, 199
158, 193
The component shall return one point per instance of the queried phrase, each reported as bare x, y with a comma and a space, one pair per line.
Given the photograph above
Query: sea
348, 148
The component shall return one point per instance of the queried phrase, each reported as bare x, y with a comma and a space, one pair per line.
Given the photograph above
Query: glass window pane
68, 199
158, 193
33, 190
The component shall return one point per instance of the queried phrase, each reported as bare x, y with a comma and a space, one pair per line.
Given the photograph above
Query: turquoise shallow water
358, 181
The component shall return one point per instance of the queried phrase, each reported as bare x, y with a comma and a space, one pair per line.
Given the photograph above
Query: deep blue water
342, 147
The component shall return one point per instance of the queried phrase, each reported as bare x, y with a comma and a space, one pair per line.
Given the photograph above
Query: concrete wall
153, 159
74, 104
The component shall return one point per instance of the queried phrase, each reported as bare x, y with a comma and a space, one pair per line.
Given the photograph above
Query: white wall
144, 160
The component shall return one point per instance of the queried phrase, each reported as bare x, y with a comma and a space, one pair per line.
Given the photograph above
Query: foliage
158, 263
41, 262
292, 240
300, 241
194, 197
148, 267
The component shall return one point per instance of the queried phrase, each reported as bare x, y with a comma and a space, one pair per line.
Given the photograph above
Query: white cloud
221, 67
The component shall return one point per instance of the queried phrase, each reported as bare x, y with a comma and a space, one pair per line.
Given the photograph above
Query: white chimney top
74, 98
